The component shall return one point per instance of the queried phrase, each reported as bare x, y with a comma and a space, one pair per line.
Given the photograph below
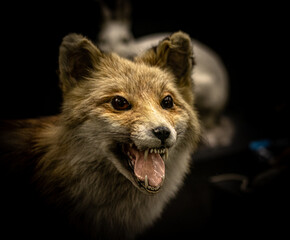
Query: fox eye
120, 103
167, 102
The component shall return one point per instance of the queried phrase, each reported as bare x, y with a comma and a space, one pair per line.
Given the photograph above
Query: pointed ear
174, 53
78, 57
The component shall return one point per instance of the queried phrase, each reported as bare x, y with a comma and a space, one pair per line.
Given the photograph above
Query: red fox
211, 79
122, 144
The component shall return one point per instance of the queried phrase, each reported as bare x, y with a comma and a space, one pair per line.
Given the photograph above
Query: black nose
162, 133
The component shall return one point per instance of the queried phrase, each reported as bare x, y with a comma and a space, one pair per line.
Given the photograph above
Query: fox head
133, 116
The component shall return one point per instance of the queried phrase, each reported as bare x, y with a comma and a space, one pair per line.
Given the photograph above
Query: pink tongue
153, 167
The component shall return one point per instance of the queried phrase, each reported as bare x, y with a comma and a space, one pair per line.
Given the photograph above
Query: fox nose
161, 133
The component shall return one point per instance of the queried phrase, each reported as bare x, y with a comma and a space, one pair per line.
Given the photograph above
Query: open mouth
147, 166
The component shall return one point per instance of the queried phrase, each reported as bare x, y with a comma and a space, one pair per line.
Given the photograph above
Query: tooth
155, 151
166, 153
146, 181
151, 150
146, 154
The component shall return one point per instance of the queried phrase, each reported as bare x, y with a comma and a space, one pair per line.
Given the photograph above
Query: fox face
139, 114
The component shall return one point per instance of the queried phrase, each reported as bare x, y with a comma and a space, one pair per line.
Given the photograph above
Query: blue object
256, 145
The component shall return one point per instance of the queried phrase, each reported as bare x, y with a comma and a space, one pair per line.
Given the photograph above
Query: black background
251, 39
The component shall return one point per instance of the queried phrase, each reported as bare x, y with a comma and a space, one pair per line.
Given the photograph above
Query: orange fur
77, 157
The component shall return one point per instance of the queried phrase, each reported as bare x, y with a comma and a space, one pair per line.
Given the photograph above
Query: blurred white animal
115, 34
211, 83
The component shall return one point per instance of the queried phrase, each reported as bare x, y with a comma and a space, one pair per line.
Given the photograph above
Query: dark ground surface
250, 39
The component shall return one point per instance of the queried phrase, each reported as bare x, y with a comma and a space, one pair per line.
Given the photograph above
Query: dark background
250, 39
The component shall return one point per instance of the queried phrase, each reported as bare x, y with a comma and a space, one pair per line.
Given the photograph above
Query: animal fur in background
120, 148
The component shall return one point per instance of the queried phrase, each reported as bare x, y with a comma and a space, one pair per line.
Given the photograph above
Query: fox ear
78, 57
174, 53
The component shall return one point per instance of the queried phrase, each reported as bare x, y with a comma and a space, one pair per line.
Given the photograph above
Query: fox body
122, 144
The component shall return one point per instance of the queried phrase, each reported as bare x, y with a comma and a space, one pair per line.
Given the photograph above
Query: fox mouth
147, 166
